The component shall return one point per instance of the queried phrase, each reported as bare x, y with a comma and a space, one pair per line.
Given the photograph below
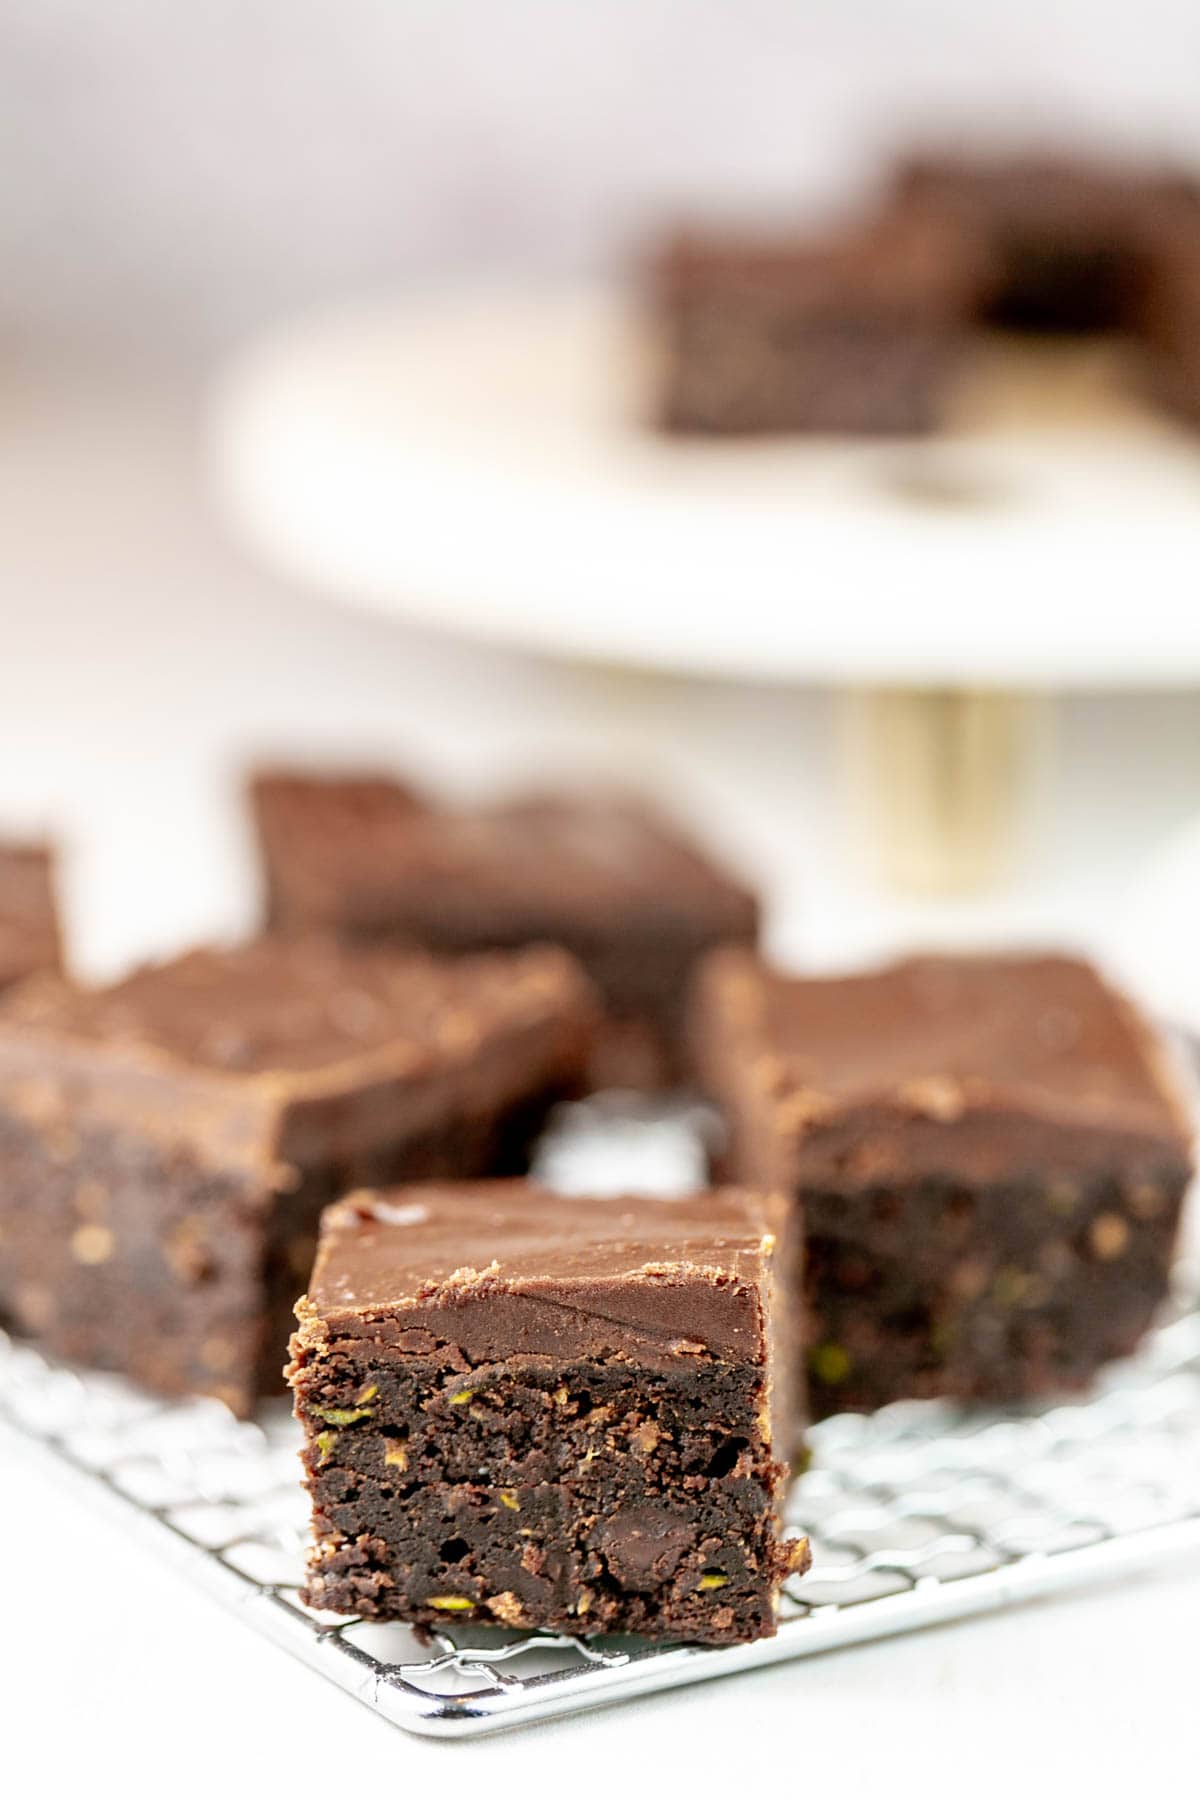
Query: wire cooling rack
918, 1514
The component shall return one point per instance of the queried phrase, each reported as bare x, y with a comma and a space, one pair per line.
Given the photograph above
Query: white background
173, 175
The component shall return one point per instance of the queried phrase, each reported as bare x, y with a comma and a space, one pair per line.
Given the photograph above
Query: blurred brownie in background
1061, 245
991, 1155
760, 334
29, 930
604, 876
315, 836
862, 332
166, 1144
1171, 324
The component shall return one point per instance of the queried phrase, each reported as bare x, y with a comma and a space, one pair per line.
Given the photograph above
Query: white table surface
141, 661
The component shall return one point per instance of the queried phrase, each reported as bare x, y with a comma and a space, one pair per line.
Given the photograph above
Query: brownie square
29, 933
991, 1155
166, 1144
621, 888
1064, 245
531, 1410
761, 334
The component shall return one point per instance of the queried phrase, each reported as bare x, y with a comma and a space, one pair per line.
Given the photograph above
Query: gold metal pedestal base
944, 778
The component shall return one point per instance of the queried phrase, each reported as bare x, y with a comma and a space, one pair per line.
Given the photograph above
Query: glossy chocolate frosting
980, 1065
289, 1051
503, 1268
302, 1004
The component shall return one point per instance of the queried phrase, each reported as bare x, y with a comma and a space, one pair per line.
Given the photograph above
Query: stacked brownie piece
167, 1144
864, 332
540, 1411
990, 1156
626, 892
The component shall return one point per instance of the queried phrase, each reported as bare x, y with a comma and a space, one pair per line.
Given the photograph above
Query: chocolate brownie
782, 334
991, 1154
602, 875
1170, 328
29, 935
316, 837
166, 1144
547, 1412
1064, 245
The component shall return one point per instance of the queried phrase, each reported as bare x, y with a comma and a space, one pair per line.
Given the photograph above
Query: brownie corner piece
167, 1143
548, 1412
991, 1153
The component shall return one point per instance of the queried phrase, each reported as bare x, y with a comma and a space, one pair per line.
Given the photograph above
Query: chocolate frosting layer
293, 1006
507, 1268
979, 1065
290, 1052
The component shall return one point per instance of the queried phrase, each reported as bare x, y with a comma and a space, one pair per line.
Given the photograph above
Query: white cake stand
477, 462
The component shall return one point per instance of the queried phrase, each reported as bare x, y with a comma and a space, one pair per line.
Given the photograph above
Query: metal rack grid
918, 1515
